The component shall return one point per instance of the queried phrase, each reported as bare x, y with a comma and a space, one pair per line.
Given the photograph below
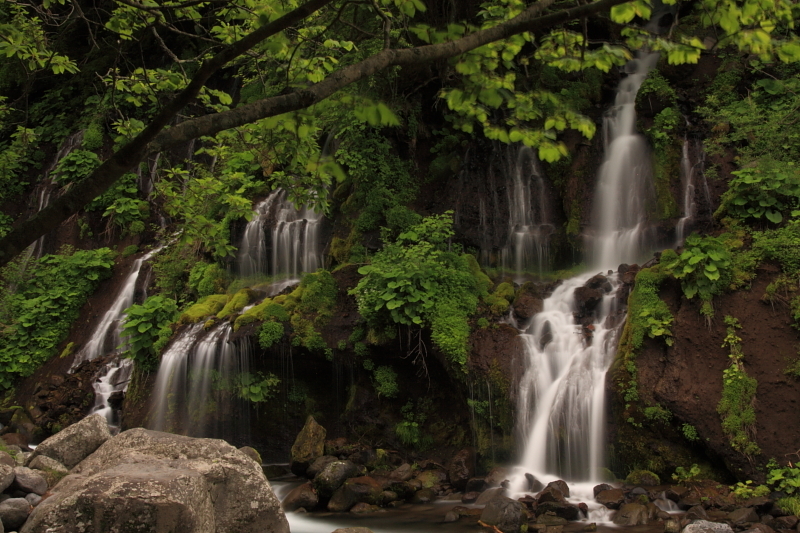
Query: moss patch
207, 306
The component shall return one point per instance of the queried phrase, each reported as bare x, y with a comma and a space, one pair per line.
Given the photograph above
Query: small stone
28, 480
590, 527
600, 488
14, 512
742, 516
672, 526
363, 507
704, 526
33, 499
697, 513
451, 517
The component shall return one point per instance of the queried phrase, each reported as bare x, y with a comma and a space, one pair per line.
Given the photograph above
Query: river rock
45, 463
560, 485
505, 514
696, 513
528, 301
355, 490
252, 453
14, 512
308, 446
534, 485
632, 514
303, 496
475, 484
28, 480
551, 494
333, 476
401, 473
461, 468
319, 465
612, 499
424, 496
565, 510
496, 476
704, 526
490, 494
600, 488
33, 499
786, 522
470, 497
671, 525
431, 478
152, 481
6, 476
551, 519
352, 530
74, 443
742, 516
6, 459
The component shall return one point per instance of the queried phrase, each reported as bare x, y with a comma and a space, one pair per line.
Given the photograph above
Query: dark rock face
303, 496
161, 482
560, 486
632, 514
612, 498
528, 301
461, 469
333, 476
308, 446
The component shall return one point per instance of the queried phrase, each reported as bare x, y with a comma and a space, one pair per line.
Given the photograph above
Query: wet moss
237, 302
207, 306
667, 168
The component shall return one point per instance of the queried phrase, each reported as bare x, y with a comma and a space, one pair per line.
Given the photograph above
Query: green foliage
171, 268
483, 323
14, 158
784, 478
642, 477
130, 250
657, 413
665, 123
270, 334
416, 282
206, 279
385, 382
75, 166
746, 490
704, 267
205, 307
686, 475
145, 326
789, 505
46, 303
410, 429
257, 387
736, 407
767, 188
648, 313
236, 303
23, 38
500, 299
689, 432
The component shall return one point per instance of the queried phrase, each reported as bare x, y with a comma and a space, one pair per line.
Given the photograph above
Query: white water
625, 189
562, 392
113, 377
294, 239
692, 178
106, 335
528, 248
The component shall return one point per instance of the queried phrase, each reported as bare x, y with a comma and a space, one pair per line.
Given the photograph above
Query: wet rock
33, 499
612, 499
696, 513
560, 485
352, 530
632, 514
147, 480
786, 522
363, 508
534, 485
355, 490
496, 476
689, 500
402, 488
303, 496
528, 301
6, 459
388, 496
308, 446
28, 480
252, 453
319, 465
586, 300
551, 519
451, 517
14, 512
367, 457
73, 444
704, 526
584, 509
590, 527
432, 478
742, 516
333, 476
401, 473
424, 496
6, 476
551, 494
274, 471
476, 484
600, 488
490, 494
470, 497
565, 510
461, 468
505, 514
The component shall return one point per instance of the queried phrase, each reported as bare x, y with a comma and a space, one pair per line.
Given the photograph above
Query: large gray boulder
14, 512
632, 514
308, 446
505, 514
162, 483
333, 476
28, 480
74, 443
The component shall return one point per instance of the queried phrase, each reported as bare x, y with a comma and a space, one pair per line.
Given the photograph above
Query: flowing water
694, 184
562, 392
112, 378
530, 226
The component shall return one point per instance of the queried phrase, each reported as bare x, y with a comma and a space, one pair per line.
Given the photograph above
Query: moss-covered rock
237, 302
644, 478
210, 305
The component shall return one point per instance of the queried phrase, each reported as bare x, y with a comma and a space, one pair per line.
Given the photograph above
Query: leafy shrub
686, 475
689, 432
643, 477
784, 478
385, 382
746, 490
75, 166
130, 250
206, 279
500, 299
45, 305
257, 387
766, 188
704, 267
270, 334
145, 326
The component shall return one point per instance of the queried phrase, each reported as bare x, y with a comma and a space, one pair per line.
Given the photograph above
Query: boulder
550, 519
333, 476
528, 301
505, 514
155, 481
424, 496
388, 496
45, 463
742, 516
28, 480
600, 488
586, 300
534, 485
632, 514
16, 439
274, 471
671, 525
461, 468
475, 484
355, 490
697, 512
470, 497
252, 453
74, 443
33, 499
14, 512
308, 446
551, 494
561, 486
490, 494
362, 508
6, 459
704, 526
612, 499
786, 522
431, 478
496, 476
352, 530
401, 473
303, 496
564, 510
6, 476
319, 465
643, 478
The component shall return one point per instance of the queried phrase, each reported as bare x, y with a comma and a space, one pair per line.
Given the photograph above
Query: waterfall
694, 182
569, 346
294, 239
196, 389
112, 379
106, 335
625, 191
530, 227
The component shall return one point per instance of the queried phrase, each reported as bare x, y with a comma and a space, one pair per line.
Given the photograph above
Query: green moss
667, 161
482, 280
643, 477
237, 302
207, 306
499, 300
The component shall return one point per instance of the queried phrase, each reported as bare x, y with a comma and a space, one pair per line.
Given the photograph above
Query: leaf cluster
146, 327
704, 267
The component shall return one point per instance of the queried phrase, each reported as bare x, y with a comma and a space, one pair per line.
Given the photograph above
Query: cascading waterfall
625, 191
112, 379
561, 399
528, 248
694, 182
294, 239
